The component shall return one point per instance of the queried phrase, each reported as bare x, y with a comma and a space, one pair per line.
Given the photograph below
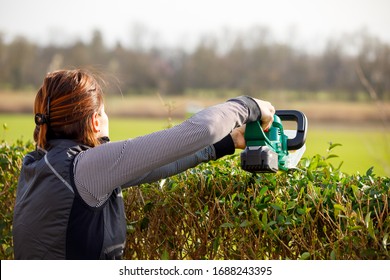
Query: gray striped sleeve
175, 167
99, 170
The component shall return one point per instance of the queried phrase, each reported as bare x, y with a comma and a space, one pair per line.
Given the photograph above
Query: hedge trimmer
275, 149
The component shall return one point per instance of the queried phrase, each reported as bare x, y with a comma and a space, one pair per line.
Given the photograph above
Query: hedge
218, 211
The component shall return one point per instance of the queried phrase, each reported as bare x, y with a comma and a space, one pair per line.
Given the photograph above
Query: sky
182, 22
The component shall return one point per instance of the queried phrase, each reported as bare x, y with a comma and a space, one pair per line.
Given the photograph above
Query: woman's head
69, 105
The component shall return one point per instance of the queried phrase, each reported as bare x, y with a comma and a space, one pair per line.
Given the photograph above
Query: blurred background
164, 60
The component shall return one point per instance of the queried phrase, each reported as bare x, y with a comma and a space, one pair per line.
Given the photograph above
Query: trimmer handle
301, 120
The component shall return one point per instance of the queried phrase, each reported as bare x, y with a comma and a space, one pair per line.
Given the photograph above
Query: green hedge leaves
218, 211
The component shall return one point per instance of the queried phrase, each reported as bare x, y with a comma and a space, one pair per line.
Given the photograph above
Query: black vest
51, 221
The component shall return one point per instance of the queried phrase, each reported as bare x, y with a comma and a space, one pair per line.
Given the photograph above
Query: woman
69, 201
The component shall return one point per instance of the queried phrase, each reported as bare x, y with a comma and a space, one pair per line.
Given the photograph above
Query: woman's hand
267, 117
267, 113
238, 137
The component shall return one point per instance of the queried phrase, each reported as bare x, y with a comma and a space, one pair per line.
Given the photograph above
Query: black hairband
41, 119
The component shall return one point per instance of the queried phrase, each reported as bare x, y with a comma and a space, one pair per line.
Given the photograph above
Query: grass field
361, 148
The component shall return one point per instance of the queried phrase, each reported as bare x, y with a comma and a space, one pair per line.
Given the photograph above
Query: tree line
248, 62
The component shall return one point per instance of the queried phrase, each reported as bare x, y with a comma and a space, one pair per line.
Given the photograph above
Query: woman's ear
95, 122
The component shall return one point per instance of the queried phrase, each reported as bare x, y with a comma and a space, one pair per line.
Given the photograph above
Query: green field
360, 150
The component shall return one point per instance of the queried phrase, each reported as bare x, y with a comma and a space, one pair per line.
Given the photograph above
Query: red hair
68, 99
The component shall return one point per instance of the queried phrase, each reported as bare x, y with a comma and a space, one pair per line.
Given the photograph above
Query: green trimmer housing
269, 151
